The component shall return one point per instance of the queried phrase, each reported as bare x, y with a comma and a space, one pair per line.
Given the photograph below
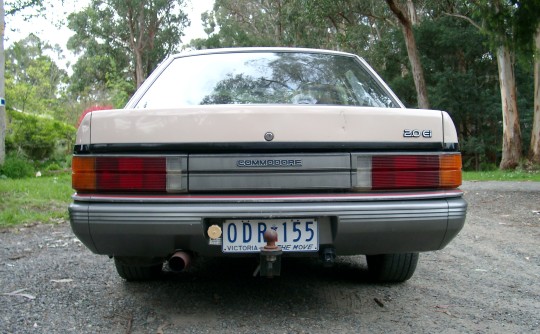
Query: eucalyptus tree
33, 80
366, 27
498, 18
407, 17
534, 151
528, 42
503, 22
121, 42
236, 23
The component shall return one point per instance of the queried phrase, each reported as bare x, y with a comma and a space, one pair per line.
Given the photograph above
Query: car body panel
214, 123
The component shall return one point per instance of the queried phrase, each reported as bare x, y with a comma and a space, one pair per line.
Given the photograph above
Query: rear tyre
135, 269
392, 268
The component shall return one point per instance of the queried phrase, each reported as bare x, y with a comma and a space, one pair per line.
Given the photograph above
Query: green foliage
13, 7
33, 80
117, 40
37, 136
120, 90
499, 175
508, 22
527, 22
52, 167
265, 23
16, 167
462, 80
35, 200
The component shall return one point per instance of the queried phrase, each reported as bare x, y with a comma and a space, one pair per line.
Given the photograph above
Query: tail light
169, 173
388, 172
131, 174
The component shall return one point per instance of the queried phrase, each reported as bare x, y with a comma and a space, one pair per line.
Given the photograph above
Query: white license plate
294, 235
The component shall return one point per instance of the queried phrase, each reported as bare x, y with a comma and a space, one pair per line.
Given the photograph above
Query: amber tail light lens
83, 174
450, 171
128, 174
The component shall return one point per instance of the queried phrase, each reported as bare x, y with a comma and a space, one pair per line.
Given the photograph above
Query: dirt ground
486, 281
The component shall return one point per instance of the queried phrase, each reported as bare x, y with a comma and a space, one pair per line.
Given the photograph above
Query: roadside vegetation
35, 183
503, 175
35, 200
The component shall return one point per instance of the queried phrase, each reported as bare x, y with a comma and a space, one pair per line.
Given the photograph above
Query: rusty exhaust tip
179, 261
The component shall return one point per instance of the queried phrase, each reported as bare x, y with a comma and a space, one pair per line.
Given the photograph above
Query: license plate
247, 236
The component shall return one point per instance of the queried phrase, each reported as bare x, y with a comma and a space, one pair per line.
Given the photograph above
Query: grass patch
500, 175
33, 200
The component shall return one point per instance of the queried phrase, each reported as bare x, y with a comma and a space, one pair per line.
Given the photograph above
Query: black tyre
392, 268
133, 269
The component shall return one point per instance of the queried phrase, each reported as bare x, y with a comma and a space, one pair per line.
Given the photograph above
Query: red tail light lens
131, 174
402, 172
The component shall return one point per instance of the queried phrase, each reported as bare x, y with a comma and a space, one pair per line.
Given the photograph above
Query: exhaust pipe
179, 261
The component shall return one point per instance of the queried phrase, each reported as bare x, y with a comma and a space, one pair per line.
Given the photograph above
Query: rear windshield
265, 78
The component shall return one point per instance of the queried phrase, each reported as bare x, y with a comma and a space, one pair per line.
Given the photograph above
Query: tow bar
270, 256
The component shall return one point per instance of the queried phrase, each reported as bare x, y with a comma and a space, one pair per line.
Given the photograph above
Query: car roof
260, 49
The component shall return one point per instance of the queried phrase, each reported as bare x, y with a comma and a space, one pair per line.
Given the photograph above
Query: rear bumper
352, 224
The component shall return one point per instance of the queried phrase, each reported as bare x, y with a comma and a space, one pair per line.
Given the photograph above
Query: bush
52, 167
16, 167
488, 167
38, 137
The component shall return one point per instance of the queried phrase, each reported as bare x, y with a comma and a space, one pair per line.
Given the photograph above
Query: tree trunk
411, 10
534, 153
511, 150
140, 46
412, 52
139, 71
2, 87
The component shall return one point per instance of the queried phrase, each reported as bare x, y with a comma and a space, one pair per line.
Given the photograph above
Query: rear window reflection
265, 78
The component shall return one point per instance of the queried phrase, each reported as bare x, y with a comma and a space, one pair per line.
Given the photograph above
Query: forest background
476, 59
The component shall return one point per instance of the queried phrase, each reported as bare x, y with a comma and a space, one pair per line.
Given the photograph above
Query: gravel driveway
486, 281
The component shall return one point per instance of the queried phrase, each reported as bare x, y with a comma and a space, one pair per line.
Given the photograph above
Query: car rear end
158, 182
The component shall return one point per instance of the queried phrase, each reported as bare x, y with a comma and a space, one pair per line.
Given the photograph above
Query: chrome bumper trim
277, 198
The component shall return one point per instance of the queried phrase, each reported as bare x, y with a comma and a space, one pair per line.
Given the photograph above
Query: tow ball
270, 256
